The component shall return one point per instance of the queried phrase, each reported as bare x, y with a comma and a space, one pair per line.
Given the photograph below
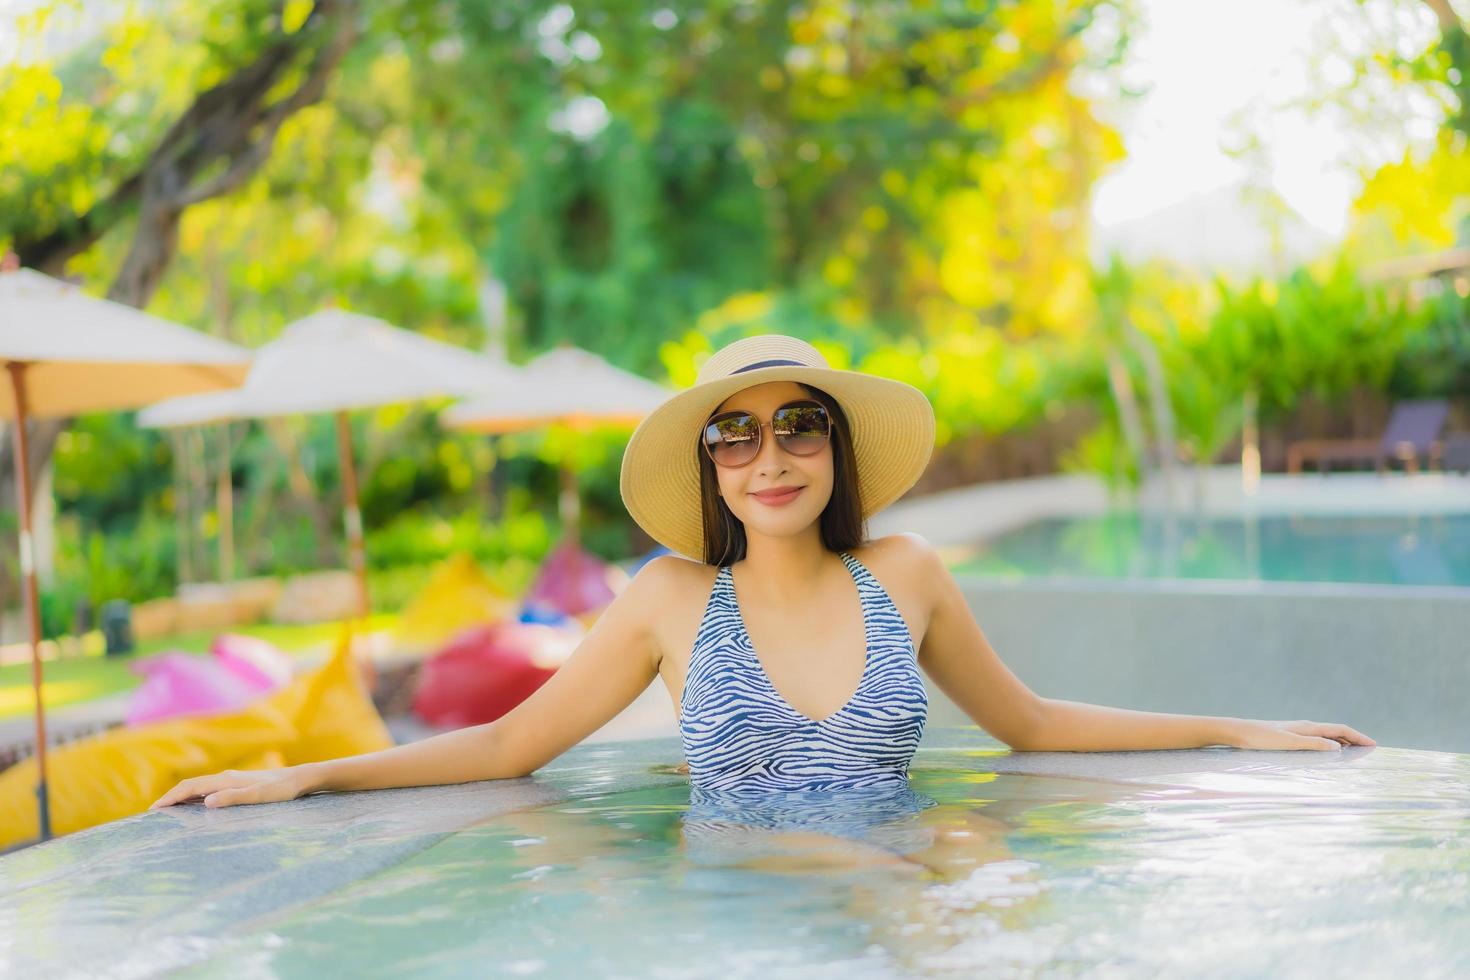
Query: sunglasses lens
802, 430
733, 440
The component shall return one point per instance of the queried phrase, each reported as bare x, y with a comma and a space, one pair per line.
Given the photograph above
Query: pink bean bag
253, 660
176, 684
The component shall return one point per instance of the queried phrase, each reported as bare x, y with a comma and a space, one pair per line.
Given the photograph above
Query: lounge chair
1456, 453
1412, 433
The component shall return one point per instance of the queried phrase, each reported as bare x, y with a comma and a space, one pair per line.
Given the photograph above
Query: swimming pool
1201, 863
1431, 550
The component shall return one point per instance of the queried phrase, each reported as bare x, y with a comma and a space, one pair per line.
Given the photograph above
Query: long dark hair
841, 522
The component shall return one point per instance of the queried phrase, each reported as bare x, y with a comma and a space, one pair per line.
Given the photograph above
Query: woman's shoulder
672, 578
662, 588
904, 548
902, 554
667, 597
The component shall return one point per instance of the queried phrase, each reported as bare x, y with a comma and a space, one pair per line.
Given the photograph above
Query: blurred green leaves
905, 185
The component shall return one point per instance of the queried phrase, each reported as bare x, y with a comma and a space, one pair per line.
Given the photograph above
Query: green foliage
104, 465
904, 185
1102, 452
419, 539
1321, 331
617, 243
1435, 359
1323, 334
135, 561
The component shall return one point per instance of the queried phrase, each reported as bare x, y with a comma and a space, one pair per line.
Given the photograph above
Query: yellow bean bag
322, 715
333, 714
457, 595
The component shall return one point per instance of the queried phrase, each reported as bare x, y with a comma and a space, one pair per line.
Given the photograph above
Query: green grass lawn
89, 674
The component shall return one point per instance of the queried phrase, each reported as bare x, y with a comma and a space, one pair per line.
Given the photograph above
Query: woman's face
773, 467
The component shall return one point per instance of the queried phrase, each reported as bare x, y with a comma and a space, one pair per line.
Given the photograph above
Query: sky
1256, 60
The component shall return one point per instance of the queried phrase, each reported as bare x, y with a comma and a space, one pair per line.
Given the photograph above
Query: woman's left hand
1317, 735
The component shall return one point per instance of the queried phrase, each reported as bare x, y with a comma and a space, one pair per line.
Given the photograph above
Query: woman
766, 469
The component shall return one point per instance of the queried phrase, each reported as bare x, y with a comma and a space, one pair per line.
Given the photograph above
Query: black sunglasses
802, 428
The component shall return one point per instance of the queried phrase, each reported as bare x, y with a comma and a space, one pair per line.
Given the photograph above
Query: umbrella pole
224, 503
182, 551
570, 506
356, 555
17, 371
356, 559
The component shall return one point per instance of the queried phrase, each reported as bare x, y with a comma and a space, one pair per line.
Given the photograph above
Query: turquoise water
1203, 874
1389, 550
1214, 863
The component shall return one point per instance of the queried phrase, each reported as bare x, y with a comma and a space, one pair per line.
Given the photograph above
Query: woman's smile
777, 496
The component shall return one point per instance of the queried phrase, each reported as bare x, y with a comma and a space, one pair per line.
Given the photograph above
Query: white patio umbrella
336, 361
566, 386
66, 352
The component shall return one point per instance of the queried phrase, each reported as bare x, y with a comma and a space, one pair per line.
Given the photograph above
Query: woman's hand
234, 786
1249, 734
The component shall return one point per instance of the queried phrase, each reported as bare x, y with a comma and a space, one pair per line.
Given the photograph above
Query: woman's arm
1071, 726
961, 661
613, 664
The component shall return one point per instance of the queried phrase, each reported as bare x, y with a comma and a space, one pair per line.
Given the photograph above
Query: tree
278, 59
926, 165
907, 182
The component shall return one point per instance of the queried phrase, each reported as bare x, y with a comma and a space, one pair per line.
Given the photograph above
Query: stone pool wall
1392, 662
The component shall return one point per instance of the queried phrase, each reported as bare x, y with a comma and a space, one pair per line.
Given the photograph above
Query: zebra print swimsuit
740, 734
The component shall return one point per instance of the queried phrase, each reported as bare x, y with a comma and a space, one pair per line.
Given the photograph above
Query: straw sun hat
892, 426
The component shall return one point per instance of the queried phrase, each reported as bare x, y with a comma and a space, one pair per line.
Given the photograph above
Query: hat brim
892, 426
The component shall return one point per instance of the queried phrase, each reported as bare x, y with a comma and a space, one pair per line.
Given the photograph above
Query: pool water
1388, 550
1202, 863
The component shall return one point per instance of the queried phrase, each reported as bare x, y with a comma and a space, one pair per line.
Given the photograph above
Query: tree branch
228, 123
1448, 19
231, 124
310, 91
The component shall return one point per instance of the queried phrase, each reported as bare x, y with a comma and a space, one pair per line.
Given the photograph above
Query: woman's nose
770, 452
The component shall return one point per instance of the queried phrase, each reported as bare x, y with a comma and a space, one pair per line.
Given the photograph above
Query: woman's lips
778, 499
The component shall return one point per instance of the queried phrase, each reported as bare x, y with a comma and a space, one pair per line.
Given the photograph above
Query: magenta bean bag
571, 581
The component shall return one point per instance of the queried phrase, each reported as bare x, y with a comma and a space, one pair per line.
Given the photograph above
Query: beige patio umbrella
336, 361
566, 386
65, 353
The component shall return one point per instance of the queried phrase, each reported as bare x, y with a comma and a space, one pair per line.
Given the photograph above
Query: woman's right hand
235, 786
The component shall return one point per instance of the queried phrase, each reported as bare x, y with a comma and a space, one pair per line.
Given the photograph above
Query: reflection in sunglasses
733, 438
